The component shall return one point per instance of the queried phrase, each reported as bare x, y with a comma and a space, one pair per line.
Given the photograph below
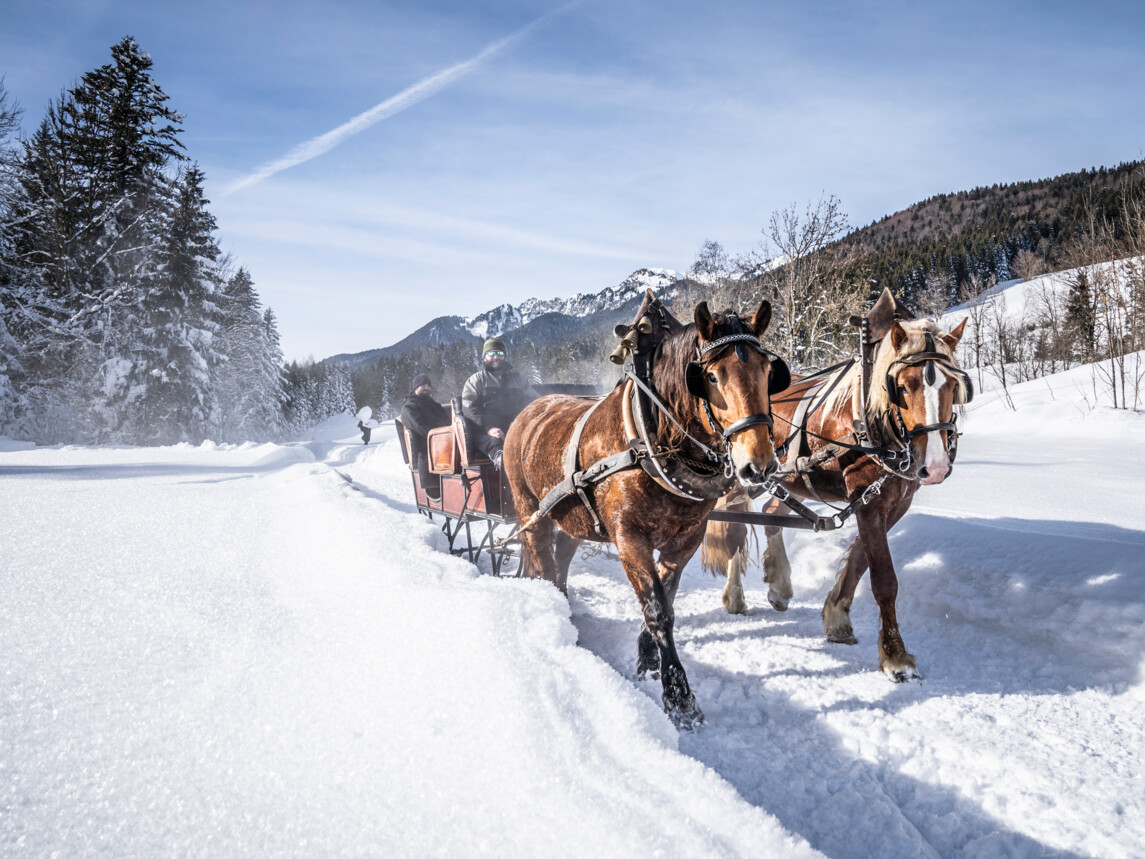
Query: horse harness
681, 476
894, 461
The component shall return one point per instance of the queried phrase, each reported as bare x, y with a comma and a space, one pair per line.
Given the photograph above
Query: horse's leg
894, 661
777, 569
837, 606
647, 656
669, 569
733, 598
538, 557
655, 594
564, 550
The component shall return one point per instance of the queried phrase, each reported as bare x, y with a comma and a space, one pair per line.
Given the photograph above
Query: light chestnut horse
712, 379
915, 387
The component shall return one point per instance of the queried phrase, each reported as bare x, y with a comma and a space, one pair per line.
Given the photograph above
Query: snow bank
237, 651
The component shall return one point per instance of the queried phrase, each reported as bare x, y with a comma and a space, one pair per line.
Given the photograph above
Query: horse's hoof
686, 717
841, 636
777, 602
735, 606
904, 675
901, 673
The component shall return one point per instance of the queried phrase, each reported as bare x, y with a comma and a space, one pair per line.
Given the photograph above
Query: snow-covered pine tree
173, 356
12, 275
337, 391
248, 380
98, 193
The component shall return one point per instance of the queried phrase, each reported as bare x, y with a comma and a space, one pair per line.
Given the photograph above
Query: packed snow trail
233, 651
1022, 593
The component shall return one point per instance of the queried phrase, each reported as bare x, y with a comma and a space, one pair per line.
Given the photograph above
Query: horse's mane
668, 374
878, 399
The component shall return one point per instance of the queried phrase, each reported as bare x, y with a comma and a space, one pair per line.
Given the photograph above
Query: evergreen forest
121, 322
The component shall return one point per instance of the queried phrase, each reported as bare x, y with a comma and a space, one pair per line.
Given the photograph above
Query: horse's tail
724, 540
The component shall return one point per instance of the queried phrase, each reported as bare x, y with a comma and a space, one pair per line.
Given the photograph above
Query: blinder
694, 380
930, 359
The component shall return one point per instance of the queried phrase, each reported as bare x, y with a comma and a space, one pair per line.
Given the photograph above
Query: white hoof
734, 602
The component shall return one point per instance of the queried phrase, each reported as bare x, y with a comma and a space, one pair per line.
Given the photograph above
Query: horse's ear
955, 334
898, 335
881, 315
762, 318
705, 325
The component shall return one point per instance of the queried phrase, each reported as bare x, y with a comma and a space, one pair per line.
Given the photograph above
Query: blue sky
608, 136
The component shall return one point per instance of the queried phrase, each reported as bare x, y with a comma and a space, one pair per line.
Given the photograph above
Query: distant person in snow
493, 396
421, 413
365, 432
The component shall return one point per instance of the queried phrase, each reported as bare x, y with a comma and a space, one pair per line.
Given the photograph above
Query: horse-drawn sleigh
694, 417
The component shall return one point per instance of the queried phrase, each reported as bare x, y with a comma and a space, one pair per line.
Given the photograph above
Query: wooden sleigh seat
452, 448
470, 485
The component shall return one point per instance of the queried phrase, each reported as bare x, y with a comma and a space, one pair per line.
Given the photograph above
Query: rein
893, 461
721, 458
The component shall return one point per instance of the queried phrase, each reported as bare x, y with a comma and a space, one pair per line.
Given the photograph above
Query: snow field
265, 649
218, 651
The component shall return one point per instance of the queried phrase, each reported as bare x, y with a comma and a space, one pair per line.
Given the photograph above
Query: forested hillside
953, 243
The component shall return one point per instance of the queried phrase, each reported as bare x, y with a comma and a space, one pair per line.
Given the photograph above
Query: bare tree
801, 272
934, 298
1002, 343
975, 342
1027, 265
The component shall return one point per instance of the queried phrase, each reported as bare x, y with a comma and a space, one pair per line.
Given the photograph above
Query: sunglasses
493, 352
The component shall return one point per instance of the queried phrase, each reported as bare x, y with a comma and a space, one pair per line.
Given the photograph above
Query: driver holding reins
493, 396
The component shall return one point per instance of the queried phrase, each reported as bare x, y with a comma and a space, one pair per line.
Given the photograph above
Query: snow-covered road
264, 650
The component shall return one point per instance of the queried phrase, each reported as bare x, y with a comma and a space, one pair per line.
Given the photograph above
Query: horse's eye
712, 378
903, 391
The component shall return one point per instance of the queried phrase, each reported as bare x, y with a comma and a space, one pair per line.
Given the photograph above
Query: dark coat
420, 415
494, 399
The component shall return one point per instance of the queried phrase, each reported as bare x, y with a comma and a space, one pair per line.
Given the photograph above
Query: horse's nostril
924, 473
772, 467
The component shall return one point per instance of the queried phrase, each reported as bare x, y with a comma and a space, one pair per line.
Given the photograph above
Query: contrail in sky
408, 97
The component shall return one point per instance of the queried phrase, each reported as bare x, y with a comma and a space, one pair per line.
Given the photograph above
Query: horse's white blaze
937, 461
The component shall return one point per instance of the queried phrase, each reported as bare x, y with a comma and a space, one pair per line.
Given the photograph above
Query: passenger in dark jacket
420, 414
493, 396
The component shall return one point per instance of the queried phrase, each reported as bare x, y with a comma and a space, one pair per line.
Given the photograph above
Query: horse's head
917, 383
734, 376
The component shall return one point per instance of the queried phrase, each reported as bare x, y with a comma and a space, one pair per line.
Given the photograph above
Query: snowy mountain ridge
505, 317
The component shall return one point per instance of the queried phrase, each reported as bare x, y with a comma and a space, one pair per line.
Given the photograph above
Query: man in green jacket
493, 396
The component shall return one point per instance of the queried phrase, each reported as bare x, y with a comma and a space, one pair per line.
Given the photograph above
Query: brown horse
915, 386
635, 507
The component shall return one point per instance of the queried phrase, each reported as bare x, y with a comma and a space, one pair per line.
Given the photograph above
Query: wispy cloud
407, 98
